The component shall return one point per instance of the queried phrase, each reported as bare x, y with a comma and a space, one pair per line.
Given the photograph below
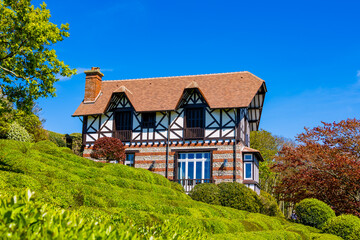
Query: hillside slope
119, 193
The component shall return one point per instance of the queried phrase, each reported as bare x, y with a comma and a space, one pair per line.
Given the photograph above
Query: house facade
190, 129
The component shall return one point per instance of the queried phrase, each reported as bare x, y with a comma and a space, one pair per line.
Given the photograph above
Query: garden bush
206, 192
77, 146
346, 226
313, 212
32, 124
57, 138
108, 148
238, 196
18, 133
176, 186
269, 205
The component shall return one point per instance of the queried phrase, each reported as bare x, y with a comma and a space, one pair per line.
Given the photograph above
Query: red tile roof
223, 90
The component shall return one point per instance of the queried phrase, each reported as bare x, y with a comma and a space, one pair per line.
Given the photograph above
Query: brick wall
146, 155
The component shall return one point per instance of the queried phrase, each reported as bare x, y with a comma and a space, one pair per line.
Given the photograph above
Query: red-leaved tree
324, 165
108, 148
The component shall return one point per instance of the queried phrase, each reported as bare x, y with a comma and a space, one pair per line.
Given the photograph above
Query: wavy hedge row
117, 194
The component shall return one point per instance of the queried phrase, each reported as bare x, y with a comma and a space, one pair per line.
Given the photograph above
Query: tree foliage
108, 148
29, 66
29, 121
325, 165
268, 146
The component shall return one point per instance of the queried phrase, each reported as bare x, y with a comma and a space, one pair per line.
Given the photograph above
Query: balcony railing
194, 133
189, 184
123, 135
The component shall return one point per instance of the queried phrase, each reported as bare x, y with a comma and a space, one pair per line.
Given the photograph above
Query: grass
119, 194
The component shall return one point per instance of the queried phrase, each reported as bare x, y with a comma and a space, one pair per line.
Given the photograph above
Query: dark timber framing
226, 123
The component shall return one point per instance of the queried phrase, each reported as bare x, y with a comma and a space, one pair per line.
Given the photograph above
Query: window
248, 171
130, 159
123, 120
194, 165
248, 157
148, 120
195, 117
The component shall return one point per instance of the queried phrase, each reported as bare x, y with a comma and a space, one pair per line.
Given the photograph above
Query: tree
325, 165
268, 146
108, 148
29, 66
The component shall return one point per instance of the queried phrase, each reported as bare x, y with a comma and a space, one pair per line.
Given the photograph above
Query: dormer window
195, 123
195, 117
148, 120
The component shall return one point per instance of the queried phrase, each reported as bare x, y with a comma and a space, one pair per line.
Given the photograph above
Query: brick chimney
92, 84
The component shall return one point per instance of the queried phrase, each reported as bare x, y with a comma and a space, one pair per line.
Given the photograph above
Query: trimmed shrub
313, 212
18, 133
108, 148
176, 186
238, 196
57, 138
270, 206
77, 146
346, 226
32, 124
206, 192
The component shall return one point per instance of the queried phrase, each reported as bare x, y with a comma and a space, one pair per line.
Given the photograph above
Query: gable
191, 96
118, 100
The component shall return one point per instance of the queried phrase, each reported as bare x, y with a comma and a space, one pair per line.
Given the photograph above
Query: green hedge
345, 226
269, 205
313, 212
57, 138
114, 194
22, 218
206, 192
238, 196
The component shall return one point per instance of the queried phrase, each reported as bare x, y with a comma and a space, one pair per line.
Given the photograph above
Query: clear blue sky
308, 52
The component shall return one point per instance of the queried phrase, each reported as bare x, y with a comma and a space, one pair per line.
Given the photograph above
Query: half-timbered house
191, 129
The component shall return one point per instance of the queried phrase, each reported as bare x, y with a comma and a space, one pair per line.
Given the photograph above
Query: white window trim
186, 161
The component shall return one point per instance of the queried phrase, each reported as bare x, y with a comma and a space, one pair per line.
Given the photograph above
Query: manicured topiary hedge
313, 212
238, 196
206, 192
345, 226
269, 205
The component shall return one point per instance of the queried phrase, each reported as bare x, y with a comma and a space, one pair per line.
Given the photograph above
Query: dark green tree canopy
29, 66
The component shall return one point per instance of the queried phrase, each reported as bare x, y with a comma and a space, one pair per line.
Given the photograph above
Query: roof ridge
206, 74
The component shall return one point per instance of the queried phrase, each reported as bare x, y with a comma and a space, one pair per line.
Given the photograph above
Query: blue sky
308, 52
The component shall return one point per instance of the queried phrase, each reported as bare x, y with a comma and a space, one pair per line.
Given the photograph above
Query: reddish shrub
108, 148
